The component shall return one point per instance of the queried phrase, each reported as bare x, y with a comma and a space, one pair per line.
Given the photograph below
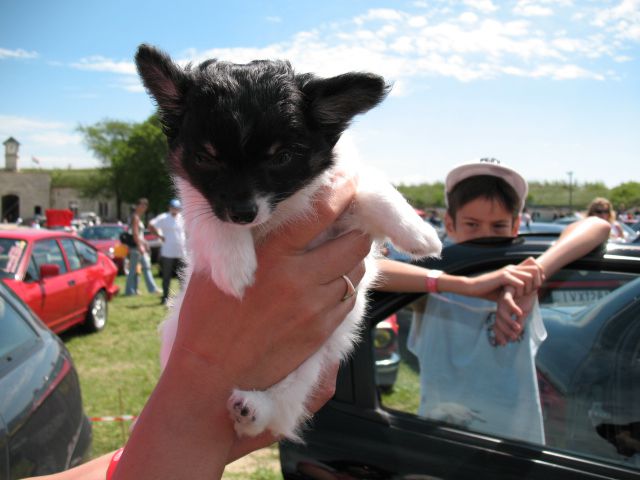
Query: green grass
405, 395
119, 366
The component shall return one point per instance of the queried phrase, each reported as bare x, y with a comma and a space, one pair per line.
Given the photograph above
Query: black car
43, 428
588, 372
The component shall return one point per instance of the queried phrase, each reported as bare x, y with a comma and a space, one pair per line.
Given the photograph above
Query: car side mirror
49, 270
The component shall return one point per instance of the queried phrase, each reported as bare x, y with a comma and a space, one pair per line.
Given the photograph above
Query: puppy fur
249, 147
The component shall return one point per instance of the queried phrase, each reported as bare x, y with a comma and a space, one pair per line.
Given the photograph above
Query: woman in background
601, 207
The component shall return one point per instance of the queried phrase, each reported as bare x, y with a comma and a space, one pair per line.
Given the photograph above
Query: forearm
92, 470
577, 240
404, 277
184, 429
154, 230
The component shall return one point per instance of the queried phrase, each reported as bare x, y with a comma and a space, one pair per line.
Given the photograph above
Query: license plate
573, 297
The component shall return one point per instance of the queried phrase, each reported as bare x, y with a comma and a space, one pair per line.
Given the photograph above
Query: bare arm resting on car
576, 241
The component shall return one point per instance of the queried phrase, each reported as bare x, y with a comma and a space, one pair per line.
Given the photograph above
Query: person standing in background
169, 226
602, 208
139, 253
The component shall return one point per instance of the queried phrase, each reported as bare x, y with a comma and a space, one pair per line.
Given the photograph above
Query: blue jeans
131, 287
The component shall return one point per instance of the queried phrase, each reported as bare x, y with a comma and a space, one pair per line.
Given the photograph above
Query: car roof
112, 224
490, 253
33, 233
465, 256
541, 227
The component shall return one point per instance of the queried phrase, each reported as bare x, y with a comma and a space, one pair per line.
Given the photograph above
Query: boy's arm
578, 239
404, 277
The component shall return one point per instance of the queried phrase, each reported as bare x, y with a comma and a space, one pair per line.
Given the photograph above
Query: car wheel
97, 314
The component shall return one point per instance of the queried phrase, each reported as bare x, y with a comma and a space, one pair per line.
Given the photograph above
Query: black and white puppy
249, 147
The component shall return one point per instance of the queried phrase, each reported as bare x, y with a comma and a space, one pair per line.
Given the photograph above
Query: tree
145, 165
424, 195
627, 194
108, 141
133, 162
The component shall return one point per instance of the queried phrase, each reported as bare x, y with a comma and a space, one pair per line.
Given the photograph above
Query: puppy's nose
244, 212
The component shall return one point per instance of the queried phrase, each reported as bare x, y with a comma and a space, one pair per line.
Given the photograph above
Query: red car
106, 238
62, 278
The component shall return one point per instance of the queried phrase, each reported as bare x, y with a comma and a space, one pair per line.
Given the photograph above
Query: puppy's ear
333, 102
166, 82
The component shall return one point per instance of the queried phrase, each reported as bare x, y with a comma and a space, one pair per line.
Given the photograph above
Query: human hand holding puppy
290, 310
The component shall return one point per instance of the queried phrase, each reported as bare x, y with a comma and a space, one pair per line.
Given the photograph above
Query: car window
434, 359
11, 251
32, 274
102, 232
15, 333
88, 255
73, 258
48, 252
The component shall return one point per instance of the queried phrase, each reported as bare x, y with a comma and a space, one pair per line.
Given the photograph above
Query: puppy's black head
249, 136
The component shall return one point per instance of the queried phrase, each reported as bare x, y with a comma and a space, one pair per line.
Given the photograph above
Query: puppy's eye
282, 158
206, 161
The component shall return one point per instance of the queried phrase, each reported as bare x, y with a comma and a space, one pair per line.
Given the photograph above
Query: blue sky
547, 86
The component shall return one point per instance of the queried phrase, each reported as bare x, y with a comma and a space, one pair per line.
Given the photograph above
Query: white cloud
101, 64
386, 14
623, 19
21, 125
564, 72
468, 17
18, 53
417, 21
485, 6
471, 42
130, 84
531, 8
56, 138
55, 144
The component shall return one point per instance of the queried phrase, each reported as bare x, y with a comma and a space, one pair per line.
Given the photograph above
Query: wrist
431, 281
455, 284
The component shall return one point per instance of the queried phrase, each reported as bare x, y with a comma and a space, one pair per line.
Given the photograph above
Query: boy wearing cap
169, 226
477, 356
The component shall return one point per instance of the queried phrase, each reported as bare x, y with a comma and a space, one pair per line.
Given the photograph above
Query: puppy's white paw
417, 238
250, 411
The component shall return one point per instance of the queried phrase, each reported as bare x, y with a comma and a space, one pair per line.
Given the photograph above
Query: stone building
27, 195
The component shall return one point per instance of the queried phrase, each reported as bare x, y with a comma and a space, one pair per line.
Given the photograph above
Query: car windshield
102, 232
11, 250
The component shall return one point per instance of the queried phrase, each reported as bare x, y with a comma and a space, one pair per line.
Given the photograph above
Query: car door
80, 269
53, 299
589, 389
4, 449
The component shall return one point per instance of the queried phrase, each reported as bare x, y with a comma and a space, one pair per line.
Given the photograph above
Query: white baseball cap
487, 166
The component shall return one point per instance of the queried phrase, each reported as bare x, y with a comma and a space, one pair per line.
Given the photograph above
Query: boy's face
479, 218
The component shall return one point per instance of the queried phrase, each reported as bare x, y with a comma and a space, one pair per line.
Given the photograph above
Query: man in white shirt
169, 226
